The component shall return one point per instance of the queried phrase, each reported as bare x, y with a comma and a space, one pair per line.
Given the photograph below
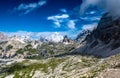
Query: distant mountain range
54, 37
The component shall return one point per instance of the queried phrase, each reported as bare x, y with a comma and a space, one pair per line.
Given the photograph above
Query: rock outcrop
104, 40
3, 37
66, 39
82, 35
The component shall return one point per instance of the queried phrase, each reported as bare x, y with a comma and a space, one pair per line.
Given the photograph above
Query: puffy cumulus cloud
26, 8
63, 16
71, 24
110, 6
58, 19
89, 26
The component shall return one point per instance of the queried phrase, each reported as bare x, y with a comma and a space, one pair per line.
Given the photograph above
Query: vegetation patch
20, 51
23, 70
88, 61
9, 47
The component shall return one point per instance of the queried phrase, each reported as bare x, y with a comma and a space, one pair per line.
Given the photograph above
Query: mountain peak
104, 40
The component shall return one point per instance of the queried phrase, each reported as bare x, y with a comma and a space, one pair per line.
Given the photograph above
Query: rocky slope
65, 67
103, 41
12, 48
17, 48
82, 35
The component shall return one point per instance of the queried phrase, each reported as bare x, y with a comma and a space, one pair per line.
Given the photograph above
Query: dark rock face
106, 31
104, 40
66, 39
109, 29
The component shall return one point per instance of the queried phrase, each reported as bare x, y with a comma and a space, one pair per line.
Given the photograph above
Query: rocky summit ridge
103, 41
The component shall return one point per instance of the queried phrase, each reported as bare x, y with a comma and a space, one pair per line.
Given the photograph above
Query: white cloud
26, 8
91, 12
71, 24
86, 4
63, 10
95, 18
58, 19
111, 6
89, 26
63, 16
57, 23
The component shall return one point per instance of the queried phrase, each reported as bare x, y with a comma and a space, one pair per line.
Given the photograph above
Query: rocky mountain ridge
24, 47
103, 41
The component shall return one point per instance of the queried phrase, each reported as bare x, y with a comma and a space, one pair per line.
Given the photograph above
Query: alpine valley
59, 38
93, 54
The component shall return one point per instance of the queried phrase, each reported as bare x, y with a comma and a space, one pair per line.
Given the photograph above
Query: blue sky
46, 16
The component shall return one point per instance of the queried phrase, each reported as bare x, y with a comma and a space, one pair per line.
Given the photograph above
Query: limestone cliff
104, 40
